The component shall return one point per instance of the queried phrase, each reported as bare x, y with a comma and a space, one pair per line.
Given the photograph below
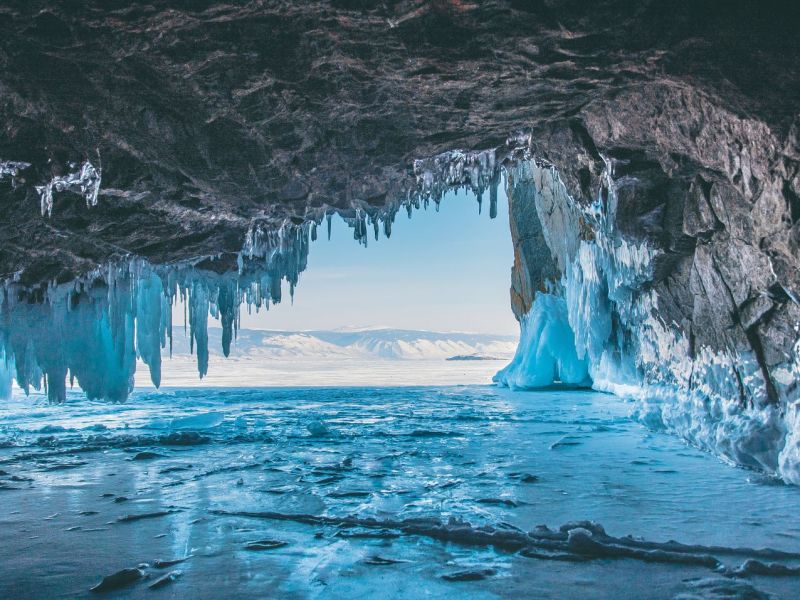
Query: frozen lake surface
380, 493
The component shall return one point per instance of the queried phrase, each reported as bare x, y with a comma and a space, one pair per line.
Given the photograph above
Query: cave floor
354, 482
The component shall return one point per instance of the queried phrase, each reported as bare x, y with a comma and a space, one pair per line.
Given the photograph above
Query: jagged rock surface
715, 194
204, 115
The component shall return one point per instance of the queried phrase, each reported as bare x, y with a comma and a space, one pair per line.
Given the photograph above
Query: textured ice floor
352, 479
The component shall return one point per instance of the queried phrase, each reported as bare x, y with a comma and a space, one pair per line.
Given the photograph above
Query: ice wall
592, 315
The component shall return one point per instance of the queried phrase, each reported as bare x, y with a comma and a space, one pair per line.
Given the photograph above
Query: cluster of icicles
91, 332
83, 180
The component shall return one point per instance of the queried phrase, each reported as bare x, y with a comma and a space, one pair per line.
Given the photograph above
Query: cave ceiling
204, 116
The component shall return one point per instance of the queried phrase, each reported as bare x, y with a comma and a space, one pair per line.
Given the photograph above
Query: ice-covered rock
594, 303
84, 181
120, 579
546, 352
91, 331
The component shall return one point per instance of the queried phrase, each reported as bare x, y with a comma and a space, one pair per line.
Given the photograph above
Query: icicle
436, 175
150, 323
493, 198
6, 376
226, 301
198, 326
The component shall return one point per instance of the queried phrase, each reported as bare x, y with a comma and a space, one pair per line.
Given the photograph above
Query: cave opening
574, 372
426, 304
326, 389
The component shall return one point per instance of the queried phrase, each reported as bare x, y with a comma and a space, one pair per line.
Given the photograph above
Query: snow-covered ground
338, 358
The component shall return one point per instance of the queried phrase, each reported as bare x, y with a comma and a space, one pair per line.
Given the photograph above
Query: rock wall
203, 116
670, 228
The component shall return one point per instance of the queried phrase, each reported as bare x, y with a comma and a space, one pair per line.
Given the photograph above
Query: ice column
593, 289
153, 320
546, 353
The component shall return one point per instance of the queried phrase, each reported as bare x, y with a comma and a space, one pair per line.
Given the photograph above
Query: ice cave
406, 299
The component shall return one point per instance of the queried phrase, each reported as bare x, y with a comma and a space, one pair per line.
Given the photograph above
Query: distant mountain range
389, 344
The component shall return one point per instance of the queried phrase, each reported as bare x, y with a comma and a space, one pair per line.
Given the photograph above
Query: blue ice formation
91, 331
546, 353
594, 321
6, 376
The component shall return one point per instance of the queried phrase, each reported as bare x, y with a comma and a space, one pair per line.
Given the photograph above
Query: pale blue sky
444, 271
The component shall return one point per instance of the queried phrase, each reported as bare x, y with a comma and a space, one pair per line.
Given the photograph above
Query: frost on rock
595, 320
84, 181
546, 353
477, 170
11, 169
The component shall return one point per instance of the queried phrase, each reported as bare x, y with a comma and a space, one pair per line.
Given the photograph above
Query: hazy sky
445, 271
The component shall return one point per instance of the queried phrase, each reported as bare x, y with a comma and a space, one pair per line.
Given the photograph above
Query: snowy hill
337, 358
389, 344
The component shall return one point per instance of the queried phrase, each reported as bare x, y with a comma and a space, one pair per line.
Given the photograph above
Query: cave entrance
427, 305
